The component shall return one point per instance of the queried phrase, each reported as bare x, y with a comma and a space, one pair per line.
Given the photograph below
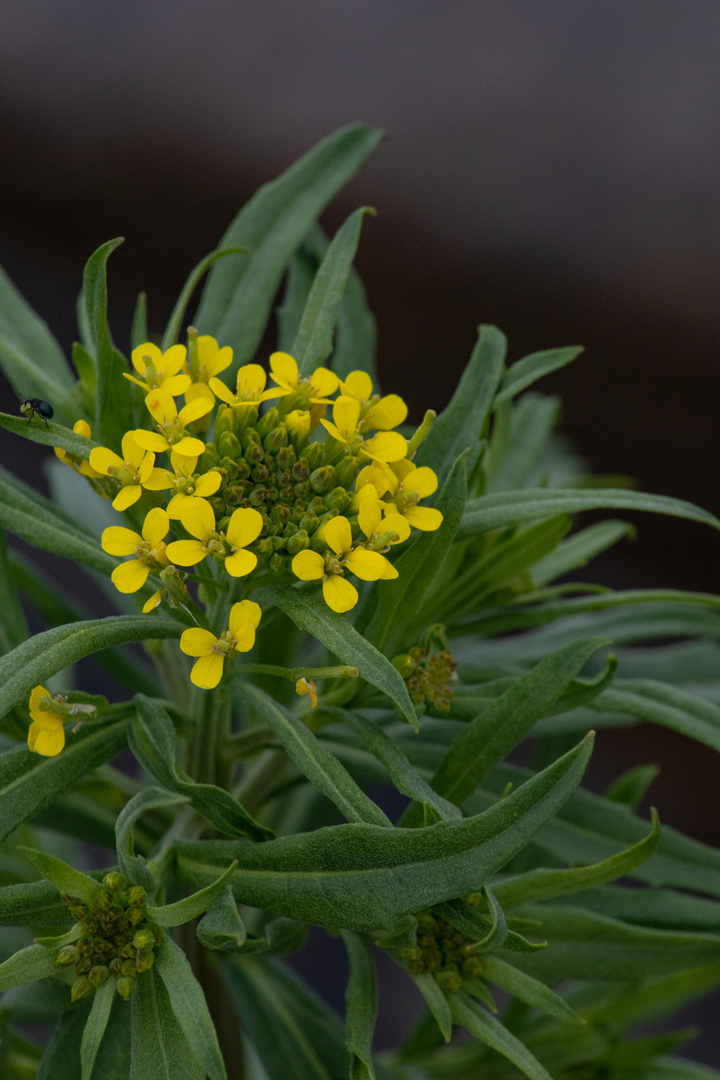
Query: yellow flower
339, 594
46, 734
239, 637
370, 518
80, 427
211, 361
386, 446
249, 387
159, 369
383, 414
412, 485
315, 388
183, 481
198, 518
148, 549
307, 686
133, 469
171, 434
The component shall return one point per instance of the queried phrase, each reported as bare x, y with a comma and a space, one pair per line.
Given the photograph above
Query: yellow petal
308, 565
131, 452
47, 743
138, 382
117, 540
240, 563
424, 517
126, 497
198, 518
357, 385
387, 446
390, 571
189, 447
138, 357
307, 686
245, 638
323, 382
36, 696
398, 524
251, 379
156, 525
195, 410
379, 475
197, 642
207, 672
185, 552
346, 413
159, 480
184, 466
220, 390
211, 358
151, 440
199, 390
244, 526
336, 434
284, 369
171, 362
337, 534
130, 576
153, 602
208, 484
103, 460
161, 406
174, 507
177, 384
388, 413
370, 513
146, 467
422, 482
339, 594
368, 565
246, 613
81, 427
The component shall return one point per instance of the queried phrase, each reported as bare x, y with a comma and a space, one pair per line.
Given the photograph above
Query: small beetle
34, 406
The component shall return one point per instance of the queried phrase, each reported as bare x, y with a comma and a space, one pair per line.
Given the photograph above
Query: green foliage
461, 645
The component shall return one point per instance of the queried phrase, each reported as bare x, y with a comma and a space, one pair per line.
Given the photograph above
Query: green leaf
360, 1006
400, 611
525, 372
239, 292
13, 625
509, 507
131, 865
52, 435
363, 877
356, 336
35, 903
505, 720
298, 283
174, 326
315, 762
630, 788
30, 782
28, 965
310, 613
583, 546
314, 340
436, 1001
160, 1049
190, 907
677, 709
460, 426
543, 884
41, 369
65, 878
188, 1004
96, 1025
221, 926
495, 1035
527, 989
401, 772
295, 1034
139, 329
33, 662
61, 1060
113, 412
152, 740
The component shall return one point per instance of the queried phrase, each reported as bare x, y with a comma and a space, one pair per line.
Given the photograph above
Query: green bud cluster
442, 951
427, 678
117, 938
284, 477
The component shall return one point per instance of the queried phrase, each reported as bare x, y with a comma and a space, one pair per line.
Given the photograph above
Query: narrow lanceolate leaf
360, 1006
33, 662
405, 778
160, 1050
187, 909
95, 1026
525, 372
65, 878
52, 435
506, 719
400, 602
174, 326
13, 625
152, 740
314, 340
579, 549
436, 1001
113, 413
509, 507
37, 521
364, 878
131, 865
239, 292
527, 989
490, 1031
221, 926
648, 699
20, 326
310, 613
543, 884
30, 782
188, 1004
315, 762
460, 426
296, 1035
299, 280
356, 337
30, 964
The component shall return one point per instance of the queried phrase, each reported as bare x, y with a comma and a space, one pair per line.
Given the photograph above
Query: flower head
210, 361
198, 518
133, 469
338, 593
170, 433
183, 481
46, 734
249, 388
78, 464
315, 388
159, 369
148, 549
346, 429
212, 651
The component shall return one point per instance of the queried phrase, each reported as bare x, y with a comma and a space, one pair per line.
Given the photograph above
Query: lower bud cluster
427, 678
116, 938
442, 951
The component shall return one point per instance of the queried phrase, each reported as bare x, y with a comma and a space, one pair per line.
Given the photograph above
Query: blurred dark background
552, 167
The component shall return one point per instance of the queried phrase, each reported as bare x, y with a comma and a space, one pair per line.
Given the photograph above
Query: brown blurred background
552, 167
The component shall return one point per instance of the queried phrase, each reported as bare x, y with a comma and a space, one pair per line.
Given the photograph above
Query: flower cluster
443, 951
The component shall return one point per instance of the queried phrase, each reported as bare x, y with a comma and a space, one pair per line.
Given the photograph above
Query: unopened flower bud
125, 987
81, 988
67, 955
114, 882
299, 542
449, 979
98, 975
404, 664
228, 445
267, 422
323, 479
144, 960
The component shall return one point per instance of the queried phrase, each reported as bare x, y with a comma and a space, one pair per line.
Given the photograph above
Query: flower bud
209, 459
338, 499
299, 542
228, 445
314, 454
98, 975
300, 470
125, 987
347, 469
67, 955
144, 939
114, 882
276, 440
449, 979
404, 664
323, 479
267, 422
82, 987
144, 960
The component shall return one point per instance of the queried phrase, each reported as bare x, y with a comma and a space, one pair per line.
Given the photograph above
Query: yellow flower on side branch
213, 651
46, 734
78, 464
132, 470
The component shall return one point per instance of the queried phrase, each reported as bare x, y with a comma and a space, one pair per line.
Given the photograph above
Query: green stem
294, 674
